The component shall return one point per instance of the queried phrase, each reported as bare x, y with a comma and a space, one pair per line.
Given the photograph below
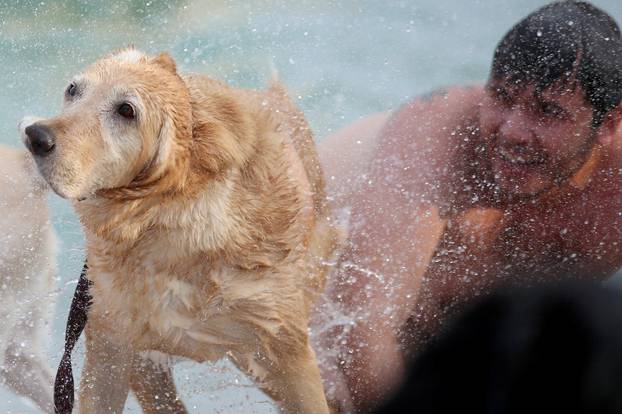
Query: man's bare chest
487, 247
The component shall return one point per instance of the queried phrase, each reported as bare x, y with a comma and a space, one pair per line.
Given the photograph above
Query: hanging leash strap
78, 315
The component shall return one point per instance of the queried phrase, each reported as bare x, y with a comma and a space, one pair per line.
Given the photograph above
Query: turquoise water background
339, 59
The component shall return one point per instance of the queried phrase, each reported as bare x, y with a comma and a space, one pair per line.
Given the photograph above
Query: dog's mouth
57, 189
61, 179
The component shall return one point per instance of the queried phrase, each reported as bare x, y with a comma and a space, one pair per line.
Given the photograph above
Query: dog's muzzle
40, 139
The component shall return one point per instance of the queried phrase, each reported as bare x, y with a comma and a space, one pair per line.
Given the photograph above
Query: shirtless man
452, 195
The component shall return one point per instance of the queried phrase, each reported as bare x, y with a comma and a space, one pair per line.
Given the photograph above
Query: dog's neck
203, 224
123, 223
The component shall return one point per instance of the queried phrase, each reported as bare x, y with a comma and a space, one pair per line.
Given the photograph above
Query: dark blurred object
555, 349
76, 322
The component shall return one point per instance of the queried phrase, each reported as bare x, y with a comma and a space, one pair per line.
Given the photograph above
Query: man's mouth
521, 157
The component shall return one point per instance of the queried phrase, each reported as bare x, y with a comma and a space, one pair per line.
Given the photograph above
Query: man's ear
611, 126
165, 61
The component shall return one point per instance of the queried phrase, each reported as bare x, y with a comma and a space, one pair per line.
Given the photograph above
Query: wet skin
454, 195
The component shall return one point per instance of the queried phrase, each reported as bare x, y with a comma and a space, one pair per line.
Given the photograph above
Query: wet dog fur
27, 269
206, 228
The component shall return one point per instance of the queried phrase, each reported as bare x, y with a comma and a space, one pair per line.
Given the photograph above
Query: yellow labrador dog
207, 232
27, 270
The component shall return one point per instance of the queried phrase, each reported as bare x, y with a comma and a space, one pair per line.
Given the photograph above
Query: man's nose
41, 140
517, 127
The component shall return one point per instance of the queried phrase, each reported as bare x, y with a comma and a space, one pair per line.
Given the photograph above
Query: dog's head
121, 122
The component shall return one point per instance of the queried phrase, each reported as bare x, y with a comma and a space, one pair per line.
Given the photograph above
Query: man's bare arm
393, 234
395, 225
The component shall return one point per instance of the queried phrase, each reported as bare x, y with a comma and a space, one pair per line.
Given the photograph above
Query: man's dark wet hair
559, 41
552, 349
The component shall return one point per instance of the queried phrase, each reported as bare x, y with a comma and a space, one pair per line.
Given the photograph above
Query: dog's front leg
104, 385
295, 383
152, 384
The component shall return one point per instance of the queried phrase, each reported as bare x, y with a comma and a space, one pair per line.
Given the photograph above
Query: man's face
535, 139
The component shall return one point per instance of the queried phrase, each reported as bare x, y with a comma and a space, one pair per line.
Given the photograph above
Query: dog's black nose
40, 139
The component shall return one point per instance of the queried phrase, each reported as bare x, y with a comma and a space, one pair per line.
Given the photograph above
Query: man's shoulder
451, 95
433, 122
425, 145
436, 112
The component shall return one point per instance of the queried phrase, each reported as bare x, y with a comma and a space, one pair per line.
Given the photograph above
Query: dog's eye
126, 111
72, 89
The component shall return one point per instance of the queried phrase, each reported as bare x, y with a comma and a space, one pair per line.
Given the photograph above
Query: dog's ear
165, 61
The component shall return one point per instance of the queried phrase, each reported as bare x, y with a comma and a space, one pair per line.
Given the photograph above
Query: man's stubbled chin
519, 171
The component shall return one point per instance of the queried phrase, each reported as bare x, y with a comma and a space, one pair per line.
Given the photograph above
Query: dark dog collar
78, 315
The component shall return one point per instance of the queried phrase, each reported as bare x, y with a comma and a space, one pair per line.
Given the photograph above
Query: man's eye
552, 110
